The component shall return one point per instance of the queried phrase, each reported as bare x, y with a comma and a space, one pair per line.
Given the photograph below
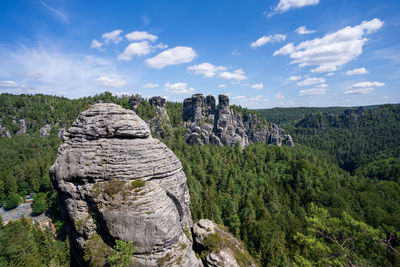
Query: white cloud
357, 71
258, 86
285, 5
324, 68
140, 36
303, 30
48, 71
222, 85
359, 91
333, 50
279, 95
311, 81
238, 97
113, 82
135, 49
330, 74
178, 88
150, 85
294, 78
95, 44
114, 36
312, 92
237, 75
60, 15
206, 69
323, 85
8, 84
252, 102
363, 87
277, 38
172, 56
235, 52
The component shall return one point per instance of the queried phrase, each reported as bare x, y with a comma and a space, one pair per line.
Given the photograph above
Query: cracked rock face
205, 124
117, 182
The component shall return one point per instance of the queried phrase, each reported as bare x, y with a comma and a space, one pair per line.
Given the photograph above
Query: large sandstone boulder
117, 182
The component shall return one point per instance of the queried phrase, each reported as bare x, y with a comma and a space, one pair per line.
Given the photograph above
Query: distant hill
282, 116
355, 136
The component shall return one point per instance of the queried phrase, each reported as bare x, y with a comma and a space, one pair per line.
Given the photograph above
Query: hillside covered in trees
331, 200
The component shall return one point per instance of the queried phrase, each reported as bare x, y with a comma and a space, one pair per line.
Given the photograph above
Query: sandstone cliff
205, 123
117, 182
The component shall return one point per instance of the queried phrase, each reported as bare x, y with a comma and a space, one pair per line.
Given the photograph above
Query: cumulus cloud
222, 85
135, 49
285, 5
48, 71
333, 50
311, 81
312, 92
237, 75
238, 97
95, 44
258, 101
206, 69
172, 56
9, 84
140, 36
357, 71
113, 82
303, 30
150, 85
178, 88
114, 36
363, 87
277, 38
294, 78
258, 86
279, 95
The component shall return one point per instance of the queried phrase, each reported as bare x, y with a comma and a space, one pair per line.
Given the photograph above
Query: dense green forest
332, 200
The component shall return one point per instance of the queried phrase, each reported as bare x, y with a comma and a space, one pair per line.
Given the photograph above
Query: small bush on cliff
123, 252
138, 183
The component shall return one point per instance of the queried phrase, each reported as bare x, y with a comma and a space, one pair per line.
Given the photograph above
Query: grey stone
22, 125
45, 130
106, 149
225, 256
224, 127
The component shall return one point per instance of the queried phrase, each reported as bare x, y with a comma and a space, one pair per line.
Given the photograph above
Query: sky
262, 54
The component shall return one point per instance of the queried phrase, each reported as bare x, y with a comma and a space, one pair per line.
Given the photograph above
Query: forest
332, 200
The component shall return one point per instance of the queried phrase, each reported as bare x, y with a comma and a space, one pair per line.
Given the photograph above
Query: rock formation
116, 182
218, 247
22, 125
160, 122
45, 130
204, 124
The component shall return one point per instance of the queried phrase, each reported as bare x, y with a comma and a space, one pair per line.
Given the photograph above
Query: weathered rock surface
45, 130
22, 125
117, 182
227, 249
204, 124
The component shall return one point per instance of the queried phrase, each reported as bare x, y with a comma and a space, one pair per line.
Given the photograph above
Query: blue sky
261, 53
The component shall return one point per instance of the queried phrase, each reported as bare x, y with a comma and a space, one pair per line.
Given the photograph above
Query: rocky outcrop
3, 131
206, 124
116, 182
218, 247
45, 130
159, 123
22, 125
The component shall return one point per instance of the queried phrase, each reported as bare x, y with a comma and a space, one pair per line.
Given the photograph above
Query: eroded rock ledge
116, 182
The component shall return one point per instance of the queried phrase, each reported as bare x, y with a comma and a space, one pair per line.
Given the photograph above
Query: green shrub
138, 183
11, 202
